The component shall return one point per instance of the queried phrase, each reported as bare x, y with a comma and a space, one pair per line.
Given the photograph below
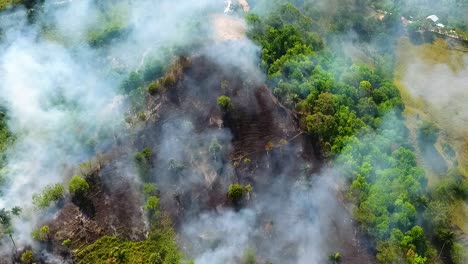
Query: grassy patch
6, 3
452, 133
159, 248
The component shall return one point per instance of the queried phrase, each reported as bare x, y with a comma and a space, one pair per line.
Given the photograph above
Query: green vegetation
335, 98
150, 189
235, 192
160, 248
6, 139
41, 234
143, 162
67, 243
154, 88
7, 3
335, 258
5, 223
353, 111
27, 257
111, 25
50, 194
225, 103
152, 204
78, 186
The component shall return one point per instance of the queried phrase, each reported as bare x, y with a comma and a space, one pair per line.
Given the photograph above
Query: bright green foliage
41, 234
334, 97
235, 192
67, 243
225, 103
78, 185
459, 253
27, 257
248, 188
150, 189
335, 258
152, 204
160, 248
51, 193
338, 99
388, 187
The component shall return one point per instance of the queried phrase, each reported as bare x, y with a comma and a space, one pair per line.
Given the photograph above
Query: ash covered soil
261, 145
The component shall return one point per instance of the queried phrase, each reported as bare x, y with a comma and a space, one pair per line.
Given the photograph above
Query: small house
433, 18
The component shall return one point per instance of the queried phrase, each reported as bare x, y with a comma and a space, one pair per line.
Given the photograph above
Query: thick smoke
62, 95
298, 223
60, 92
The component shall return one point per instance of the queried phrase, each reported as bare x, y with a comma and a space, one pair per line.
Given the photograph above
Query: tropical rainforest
209, 131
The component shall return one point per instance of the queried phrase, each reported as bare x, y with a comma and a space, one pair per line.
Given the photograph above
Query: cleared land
433, 81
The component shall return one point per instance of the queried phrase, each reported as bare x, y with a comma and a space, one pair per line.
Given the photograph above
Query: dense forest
273, 132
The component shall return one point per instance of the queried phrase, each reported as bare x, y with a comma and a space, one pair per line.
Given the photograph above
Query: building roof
434, 18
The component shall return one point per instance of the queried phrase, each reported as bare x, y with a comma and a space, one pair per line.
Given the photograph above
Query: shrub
142, 160
335, 258
150, 189
153, 88
144, 155
152, 203
225, 103
235, 192
78, 185
27, 257
248, 188
160, 248
51, 193
41, 234
66, 243
428, 132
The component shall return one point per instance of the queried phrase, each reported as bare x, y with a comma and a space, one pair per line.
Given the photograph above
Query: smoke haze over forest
233, 131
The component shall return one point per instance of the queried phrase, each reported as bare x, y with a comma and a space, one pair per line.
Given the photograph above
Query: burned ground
261, 146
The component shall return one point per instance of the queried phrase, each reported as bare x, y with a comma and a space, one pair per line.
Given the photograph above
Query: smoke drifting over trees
168, 131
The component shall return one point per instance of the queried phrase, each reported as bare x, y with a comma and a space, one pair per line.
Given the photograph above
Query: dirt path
228, 28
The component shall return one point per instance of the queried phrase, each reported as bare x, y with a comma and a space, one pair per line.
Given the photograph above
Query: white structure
440, 25
434, 18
